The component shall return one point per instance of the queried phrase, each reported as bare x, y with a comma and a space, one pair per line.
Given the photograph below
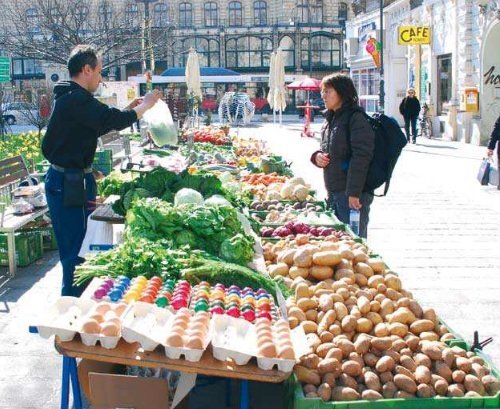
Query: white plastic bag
161, 126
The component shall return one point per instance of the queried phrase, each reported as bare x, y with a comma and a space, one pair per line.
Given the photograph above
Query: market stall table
131, 354
9, 224
105, 213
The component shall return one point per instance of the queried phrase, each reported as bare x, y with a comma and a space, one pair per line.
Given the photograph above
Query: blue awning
204, 72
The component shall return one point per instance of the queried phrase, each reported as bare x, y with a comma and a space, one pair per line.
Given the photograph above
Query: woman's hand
134, 103
151, 97
354, 203
489, 152
322, 159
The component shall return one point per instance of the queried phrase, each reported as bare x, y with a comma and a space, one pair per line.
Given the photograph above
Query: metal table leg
244, 395
75, 384
11, 248
69, 373
65, 383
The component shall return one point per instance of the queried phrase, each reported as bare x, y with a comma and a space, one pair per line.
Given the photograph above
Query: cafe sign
412, 35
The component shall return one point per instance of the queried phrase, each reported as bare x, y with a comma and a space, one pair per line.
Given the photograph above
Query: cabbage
186, 195
217, 200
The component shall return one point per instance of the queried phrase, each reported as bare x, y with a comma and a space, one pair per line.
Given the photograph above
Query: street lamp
381, 91
146, 38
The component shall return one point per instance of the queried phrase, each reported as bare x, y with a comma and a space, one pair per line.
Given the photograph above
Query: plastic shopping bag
484, 172
493, 178
161, 126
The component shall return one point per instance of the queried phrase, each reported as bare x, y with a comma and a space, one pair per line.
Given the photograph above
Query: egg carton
190, 354
300, 347
233, 338
108, 342
64, 317
143, 323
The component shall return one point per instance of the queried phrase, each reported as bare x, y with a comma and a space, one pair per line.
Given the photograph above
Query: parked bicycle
425, 123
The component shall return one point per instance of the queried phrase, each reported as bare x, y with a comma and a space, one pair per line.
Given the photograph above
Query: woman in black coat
347, 145
494, 140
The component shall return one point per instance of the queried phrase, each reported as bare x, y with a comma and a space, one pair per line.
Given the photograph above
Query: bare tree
47, 30
5, 98
37, 111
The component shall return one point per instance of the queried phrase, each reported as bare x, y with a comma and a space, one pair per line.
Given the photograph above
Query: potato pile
368, 337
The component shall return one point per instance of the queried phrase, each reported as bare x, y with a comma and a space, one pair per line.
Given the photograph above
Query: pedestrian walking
347, 145
495, 141
70, 143
410, 109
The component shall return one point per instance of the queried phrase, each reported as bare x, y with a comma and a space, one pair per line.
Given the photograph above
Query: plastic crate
104, 167
103, 156
299, 401
29, 248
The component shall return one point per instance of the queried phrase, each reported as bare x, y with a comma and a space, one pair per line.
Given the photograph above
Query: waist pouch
74, 189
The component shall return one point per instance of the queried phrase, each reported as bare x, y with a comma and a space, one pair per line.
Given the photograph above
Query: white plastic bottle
354, 221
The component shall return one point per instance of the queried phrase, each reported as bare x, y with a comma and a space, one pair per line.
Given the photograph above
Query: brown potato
362, 344
422, 359
455, 391
432, 350
340, 310
306, 375
405, 383
401, 370
323, 349
441, 387
463, 364
389, 390
301, 291
343, 393
422, 374
396, 328
419, 326
310, 361
325, 392
479, 370
364, 325
303, 257
386, 377
348, 323
309, 388
429, 336
381, 330
347, 380
443, 370
386, 363
328, 365
370, 359
296, 271
346, 346
334, 353
403, 395
327, 258
472, 394
425, 391
381, 344
408, 363
416, 309
321, 272
351, 368
448, 357
458, 376
329, 378
429, 314
372, 381
472, 383
370, 394
491, 384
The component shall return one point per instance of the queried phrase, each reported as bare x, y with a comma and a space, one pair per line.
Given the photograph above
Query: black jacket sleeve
495, 135
402, 107
362, 147
100, 117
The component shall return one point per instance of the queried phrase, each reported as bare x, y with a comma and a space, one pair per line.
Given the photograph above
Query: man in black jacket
70, 143
494, 140
410, 108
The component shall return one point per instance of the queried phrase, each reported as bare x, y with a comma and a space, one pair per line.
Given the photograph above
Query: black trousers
413, 123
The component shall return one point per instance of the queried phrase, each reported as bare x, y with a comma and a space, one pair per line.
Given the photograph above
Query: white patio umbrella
193, 80
270, 95
279, 93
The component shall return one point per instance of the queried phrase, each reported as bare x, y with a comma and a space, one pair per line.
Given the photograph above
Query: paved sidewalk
438, 228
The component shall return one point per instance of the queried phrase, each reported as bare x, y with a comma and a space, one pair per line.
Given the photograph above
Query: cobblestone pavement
438, 228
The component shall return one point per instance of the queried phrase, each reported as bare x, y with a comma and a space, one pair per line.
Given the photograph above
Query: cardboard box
107, 388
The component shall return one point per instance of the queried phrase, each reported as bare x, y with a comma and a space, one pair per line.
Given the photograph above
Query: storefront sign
491, 77
411, 35
366, 30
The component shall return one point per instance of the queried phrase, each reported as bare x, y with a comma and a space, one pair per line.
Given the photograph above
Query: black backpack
389, 142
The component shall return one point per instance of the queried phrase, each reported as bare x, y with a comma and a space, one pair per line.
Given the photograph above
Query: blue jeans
339, 202
70, 225
413, 123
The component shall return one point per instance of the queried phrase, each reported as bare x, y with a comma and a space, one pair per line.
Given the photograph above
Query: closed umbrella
279, 83
270, 95
193, 80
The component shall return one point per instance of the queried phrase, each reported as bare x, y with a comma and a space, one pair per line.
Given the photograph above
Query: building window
105, 14
26, 67
132, 15
185, 15
343, 11
303, 11
207, 49
260, 13
160, 15
248, 52
32, 20
288, 49
235, 14
210, 14
324, 53
316, 11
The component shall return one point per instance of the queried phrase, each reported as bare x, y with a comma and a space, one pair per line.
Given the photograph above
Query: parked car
15, 112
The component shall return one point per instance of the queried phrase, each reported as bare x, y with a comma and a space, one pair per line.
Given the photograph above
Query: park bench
13, 171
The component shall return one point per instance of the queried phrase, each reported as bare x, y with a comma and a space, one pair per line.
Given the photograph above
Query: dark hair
79, 57
344, 86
